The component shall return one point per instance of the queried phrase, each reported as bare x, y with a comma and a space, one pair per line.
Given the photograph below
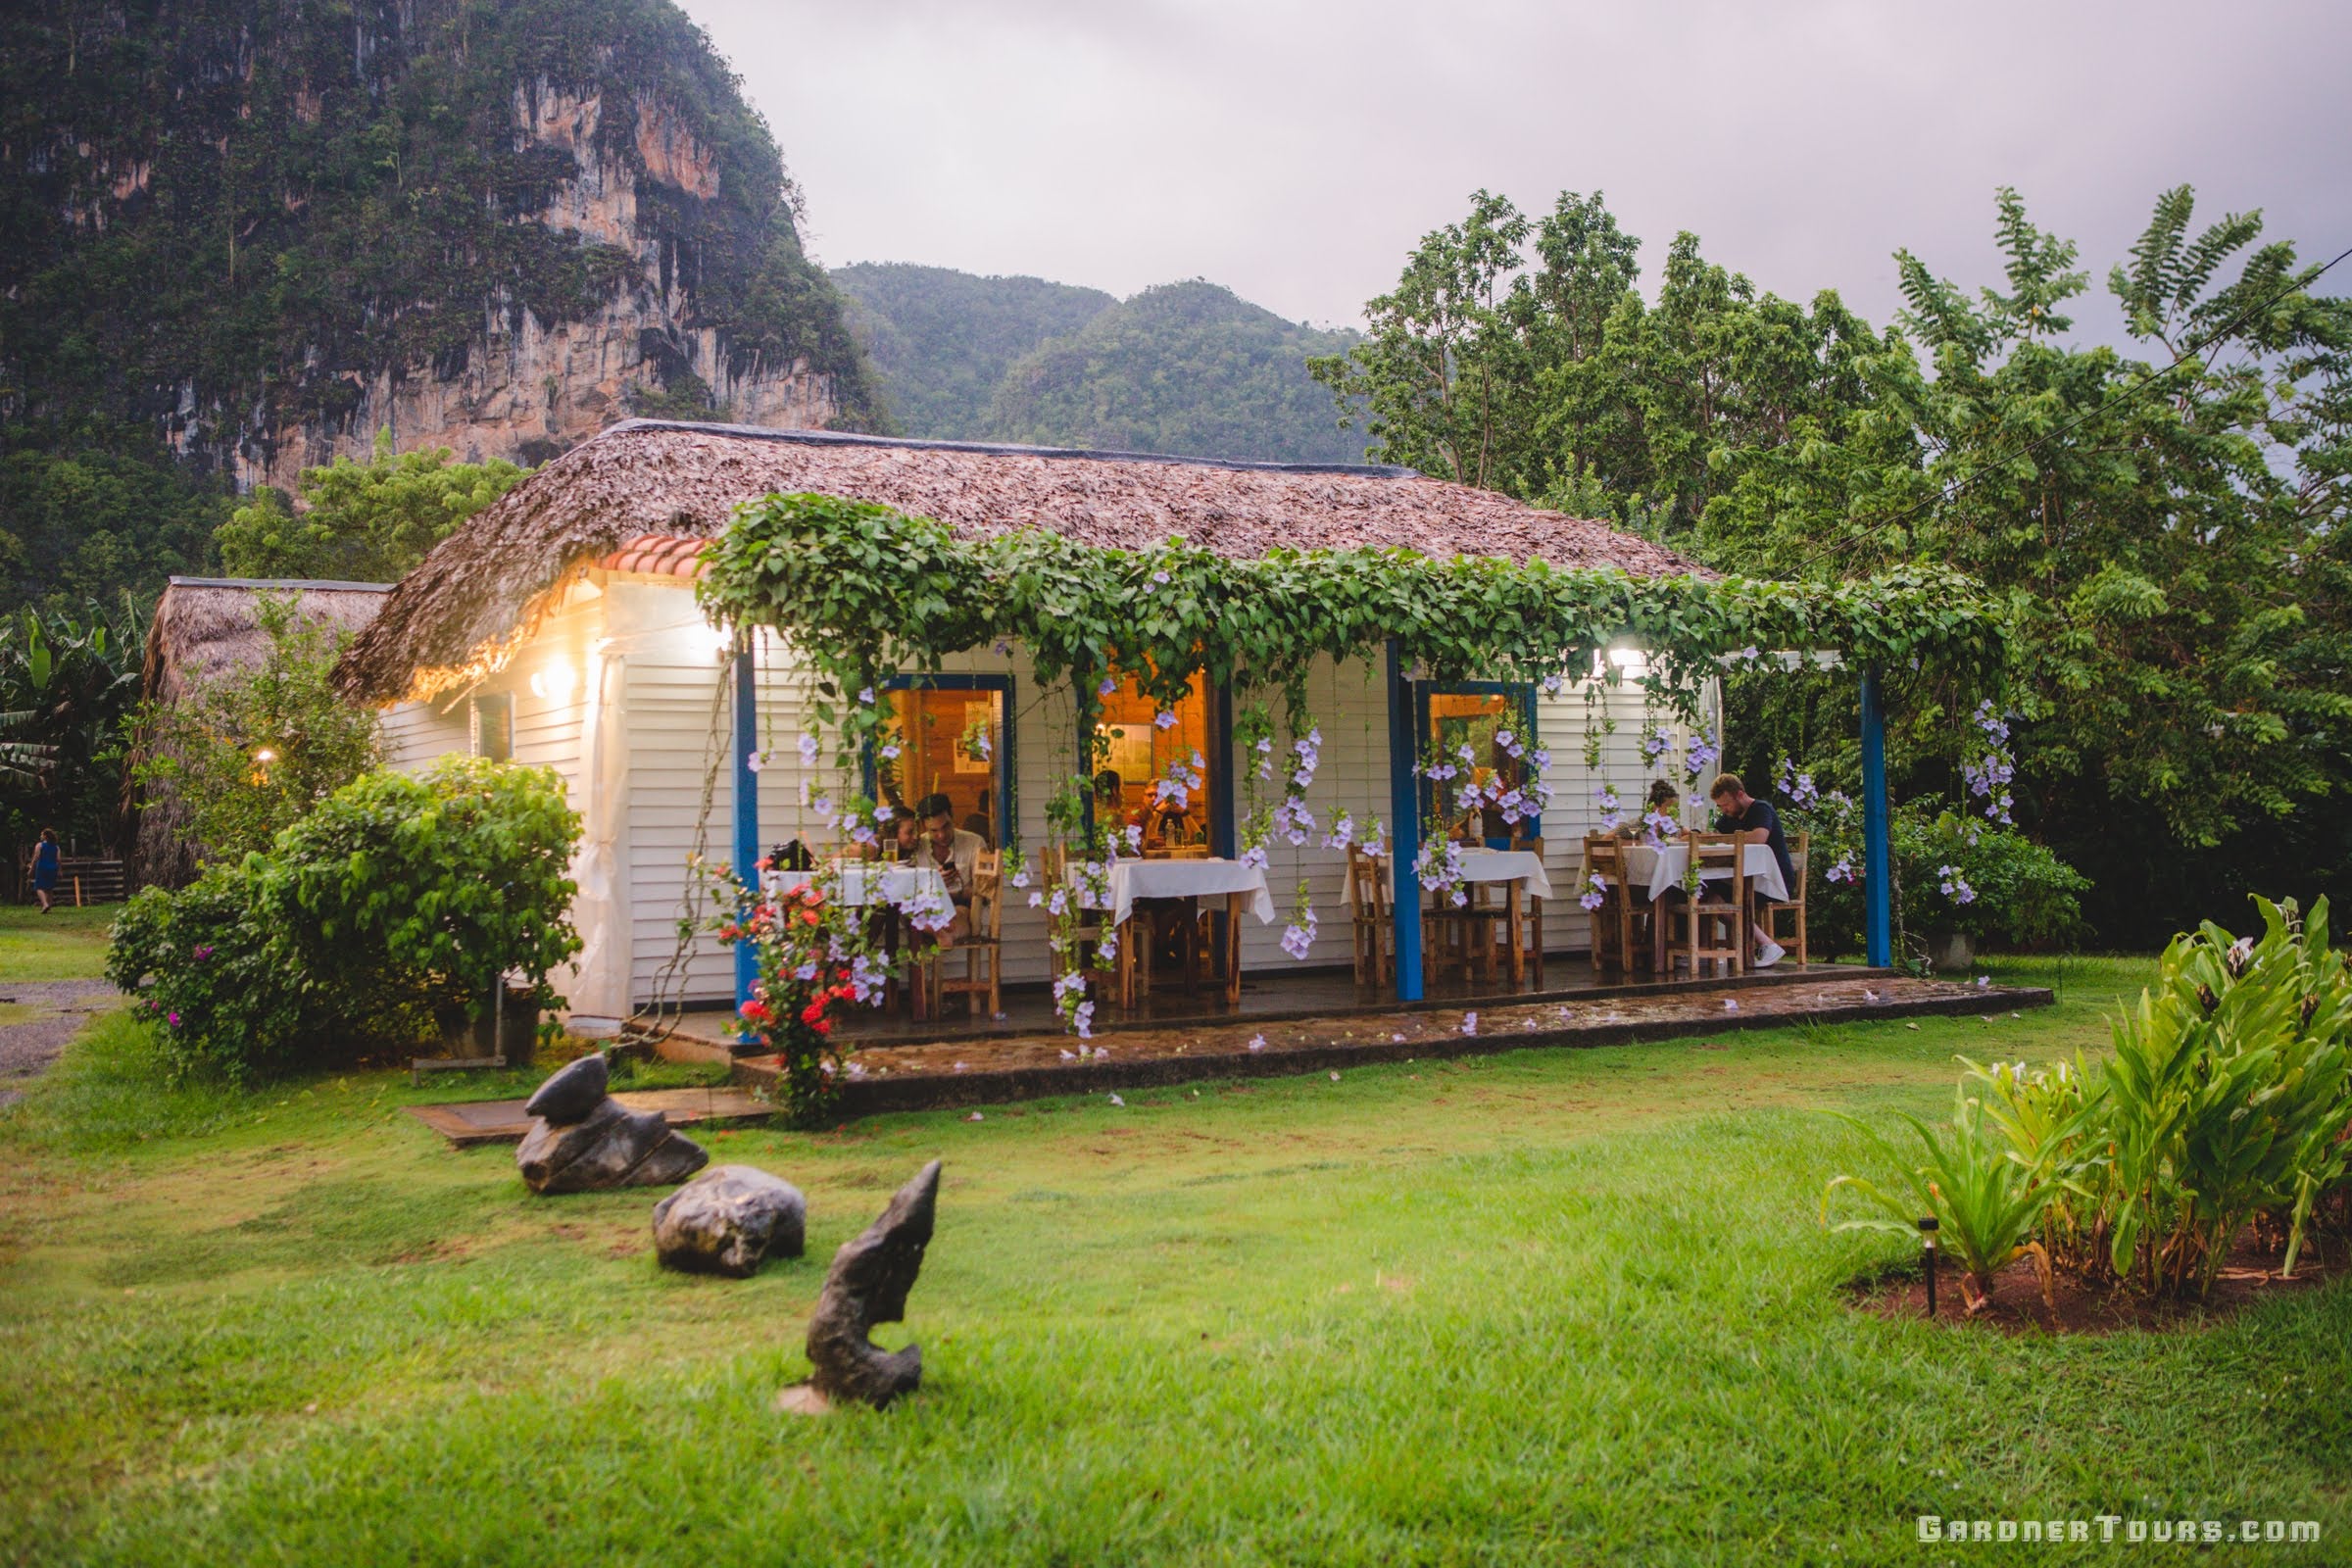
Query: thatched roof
482, 587
203, 628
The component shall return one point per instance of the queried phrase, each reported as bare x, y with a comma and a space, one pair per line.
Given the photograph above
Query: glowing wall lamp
554, 683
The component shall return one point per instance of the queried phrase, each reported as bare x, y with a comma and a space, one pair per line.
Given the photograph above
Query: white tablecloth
1663, 869
1507, 866
865, 882
1131, 880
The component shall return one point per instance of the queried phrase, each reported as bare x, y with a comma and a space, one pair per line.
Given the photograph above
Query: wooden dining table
1193, 879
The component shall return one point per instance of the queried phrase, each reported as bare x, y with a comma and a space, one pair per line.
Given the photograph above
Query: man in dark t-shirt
1738, 812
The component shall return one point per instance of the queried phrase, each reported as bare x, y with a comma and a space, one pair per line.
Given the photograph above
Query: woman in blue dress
45, 867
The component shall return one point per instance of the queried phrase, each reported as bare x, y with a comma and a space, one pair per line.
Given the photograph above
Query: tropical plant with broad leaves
2227, 1096
1986, 1203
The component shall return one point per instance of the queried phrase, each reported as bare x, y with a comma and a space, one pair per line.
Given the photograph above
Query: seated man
1756, 822
956, 853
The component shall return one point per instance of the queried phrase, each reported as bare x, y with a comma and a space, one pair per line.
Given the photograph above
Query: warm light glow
722, 640
1633, 660
554, 683
265, 756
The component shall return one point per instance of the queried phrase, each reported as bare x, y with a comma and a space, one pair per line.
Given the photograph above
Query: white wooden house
559, 628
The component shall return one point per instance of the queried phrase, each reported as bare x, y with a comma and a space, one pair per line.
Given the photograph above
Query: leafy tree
247, 753
2169, 532
364, 522
2168, 528
92, 515
66, 683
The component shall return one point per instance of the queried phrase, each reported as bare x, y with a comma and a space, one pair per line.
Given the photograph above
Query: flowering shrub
811, 956
1952, 872
388, 914
213, 981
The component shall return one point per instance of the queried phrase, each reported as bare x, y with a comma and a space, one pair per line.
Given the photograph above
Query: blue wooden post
747, 797
1878, 859
1405, 833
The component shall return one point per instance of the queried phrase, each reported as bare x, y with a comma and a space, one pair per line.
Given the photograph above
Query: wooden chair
1702, 931
1053, 865
1613, 921
1375, 928
1794, 906
982, 950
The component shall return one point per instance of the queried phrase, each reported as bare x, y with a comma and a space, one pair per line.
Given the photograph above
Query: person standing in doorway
46, 867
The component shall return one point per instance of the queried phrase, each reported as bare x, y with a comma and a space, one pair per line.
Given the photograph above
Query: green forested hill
1184, 367
939, 340
229, 225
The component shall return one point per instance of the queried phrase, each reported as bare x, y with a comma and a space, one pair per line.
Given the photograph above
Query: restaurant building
559, 628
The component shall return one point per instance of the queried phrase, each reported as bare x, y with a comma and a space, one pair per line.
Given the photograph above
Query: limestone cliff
264, 229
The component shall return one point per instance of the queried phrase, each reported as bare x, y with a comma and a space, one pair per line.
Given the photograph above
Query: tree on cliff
361, 521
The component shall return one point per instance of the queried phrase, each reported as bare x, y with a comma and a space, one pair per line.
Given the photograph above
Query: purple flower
1164, 719
1110, 684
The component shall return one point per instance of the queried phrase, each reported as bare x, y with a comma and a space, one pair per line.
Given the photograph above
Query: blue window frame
1486, 705
936, 757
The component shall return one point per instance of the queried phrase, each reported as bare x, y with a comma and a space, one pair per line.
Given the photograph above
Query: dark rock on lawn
601, 1144
868, 1285
729, 1219
572, 1092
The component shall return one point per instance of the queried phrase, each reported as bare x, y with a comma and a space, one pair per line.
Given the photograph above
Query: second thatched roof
488, 582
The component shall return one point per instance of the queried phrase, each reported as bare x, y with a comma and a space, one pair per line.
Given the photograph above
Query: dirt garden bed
2250, 1275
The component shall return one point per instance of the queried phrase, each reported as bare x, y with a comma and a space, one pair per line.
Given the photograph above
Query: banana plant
1985, 1201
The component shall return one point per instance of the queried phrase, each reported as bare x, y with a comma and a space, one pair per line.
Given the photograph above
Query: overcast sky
1296, 151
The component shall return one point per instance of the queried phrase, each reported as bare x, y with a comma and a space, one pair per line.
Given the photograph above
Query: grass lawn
1557, 1306
67, 944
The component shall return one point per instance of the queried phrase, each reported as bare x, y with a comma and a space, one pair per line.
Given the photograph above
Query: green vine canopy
857, 588
858, 591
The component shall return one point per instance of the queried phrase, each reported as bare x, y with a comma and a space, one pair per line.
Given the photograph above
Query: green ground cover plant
68, 943
2226, 1102
1554, 1306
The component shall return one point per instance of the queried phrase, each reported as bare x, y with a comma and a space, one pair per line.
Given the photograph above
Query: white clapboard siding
1562, 720
1353, 712
674, 702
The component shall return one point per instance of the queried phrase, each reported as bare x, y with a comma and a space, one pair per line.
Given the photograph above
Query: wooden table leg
1510, 890
1232, 947
1126, 968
